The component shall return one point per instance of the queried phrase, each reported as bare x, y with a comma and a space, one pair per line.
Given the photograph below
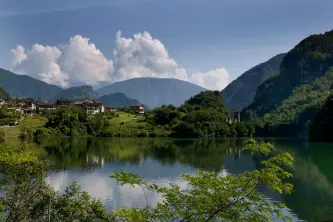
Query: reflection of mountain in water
91, 161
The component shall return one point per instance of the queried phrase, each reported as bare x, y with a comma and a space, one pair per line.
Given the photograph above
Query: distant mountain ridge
78, 92
154, 92
240, 93
26, 86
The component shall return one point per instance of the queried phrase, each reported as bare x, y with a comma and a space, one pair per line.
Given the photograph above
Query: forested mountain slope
240, 93
26, 86
308, 60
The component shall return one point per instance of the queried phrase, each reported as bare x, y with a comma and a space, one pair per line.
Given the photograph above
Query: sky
206, 42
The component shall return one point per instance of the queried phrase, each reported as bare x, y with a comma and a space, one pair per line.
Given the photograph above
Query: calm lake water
91, 161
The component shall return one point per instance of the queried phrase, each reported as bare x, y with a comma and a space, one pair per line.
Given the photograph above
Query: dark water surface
91, 161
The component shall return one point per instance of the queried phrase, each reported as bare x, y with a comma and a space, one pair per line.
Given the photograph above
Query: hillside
118, 100
154, 92
308, 60
303, 101
25, 86
78, 92
240, 93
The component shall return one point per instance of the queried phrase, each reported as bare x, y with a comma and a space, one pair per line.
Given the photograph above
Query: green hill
308, 60
240, 93
25, 86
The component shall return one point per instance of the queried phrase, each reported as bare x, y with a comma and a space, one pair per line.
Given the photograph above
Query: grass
29, 121
126, 118
11, 131
33, 121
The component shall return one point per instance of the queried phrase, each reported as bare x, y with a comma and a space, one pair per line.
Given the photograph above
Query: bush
2, 136
143, 133
3, 122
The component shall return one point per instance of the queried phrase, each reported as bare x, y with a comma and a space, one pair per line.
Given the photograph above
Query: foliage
212, 99
210, 196
216, 197
74, 121
125, 109
28, 198
309, 60
320, 126
304, 97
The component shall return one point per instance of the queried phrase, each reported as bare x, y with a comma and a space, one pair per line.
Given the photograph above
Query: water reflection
91, 161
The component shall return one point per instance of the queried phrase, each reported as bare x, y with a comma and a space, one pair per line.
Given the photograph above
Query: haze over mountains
154, 92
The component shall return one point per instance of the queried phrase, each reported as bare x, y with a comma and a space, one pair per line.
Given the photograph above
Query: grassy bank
28, 122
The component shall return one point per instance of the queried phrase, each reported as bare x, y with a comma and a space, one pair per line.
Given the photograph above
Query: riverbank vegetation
29, 198
203, 115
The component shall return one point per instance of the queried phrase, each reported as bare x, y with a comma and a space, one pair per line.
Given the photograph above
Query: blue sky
199, 35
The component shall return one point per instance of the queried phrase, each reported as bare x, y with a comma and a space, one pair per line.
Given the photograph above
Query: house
110, 109
64, 102
27, 105
91, 106
46, 106
2, 102
138, 109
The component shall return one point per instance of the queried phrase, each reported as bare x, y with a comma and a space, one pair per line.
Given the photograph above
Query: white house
91, 106
138, 109
2, 102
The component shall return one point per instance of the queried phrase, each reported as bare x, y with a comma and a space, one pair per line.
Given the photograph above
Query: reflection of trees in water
313, 174
312, 198
91, 152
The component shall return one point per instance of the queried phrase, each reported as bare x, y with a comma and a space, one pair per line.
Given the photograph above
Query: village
21, 107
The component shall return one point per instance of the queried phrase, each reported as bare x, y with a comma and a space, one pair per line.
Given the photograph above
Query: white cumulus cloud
216, 79
41, 63
81, 62
141, 56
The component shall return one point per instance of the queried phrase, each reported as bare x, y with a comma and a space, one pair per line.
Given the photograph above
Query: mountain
78, 92
154, 92
304, 101
3, 94
24, 86
240, 93
307, 61
118, 100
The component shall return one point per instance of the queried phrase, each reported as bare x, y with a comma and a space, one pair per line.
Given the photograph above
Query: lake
91, 161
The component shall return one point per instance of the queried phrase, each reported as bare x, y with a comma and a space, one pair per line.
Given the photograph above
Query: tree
215, 197
210, 196
29, 198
